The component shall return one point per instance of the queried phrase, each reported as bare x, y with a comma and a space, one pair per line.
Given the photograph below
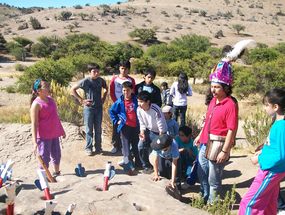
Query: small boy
152, 123
123, 114
187, 150
166, 155
149, 86
165, 94
115, 93
172, 125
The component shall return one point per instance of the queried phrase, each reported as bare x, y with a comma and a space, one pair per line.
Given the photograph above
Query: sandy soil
171, 19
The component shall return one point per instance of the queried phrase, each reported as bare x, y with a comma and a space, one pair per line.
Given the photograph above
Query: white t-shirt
178, 98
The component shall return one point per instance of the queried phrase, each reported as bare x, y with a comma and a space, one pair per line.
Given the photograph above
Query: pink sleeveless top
49, 125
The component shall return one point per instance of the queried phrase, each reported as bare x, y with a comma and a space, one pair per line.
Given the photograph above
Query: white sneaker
121, 163
114, 150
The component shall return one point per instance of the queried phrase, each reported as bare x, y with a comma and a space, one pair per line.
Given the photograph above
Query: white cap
167, 109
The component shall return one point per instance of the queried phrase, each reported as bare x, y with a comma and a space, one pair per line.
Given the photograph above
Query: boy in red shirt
116, 93
123, 113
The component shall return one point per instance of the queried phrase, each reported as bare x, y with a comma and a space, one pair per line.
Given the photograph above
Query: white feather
239, 47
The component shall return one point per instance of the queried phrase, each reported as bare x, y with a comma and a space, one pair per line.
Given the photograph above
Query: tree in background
144, 35
238, 28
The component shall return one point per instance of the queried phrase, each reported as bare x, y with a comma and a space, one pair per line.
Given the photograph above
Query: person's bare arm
75, 93
105, 93
34, 112
224, 154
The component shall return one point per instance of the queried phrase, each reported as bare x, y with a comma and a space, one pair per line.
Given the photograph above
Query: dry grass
9, 114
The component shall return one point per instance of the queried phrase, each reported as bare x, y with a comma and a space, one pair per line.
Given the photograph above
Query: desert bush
221, 206
22, 41
65, 15
142, 64
20, 67
202, 13
68, 108
191, 44
263, 55
60, 71
11, 89
280, 47
78, 6
83, 16
2, 42
245, 82
256, 127
16, 50
35, 23
70, 27
146, 36
23, 26
45, 46
238, 28
219, 34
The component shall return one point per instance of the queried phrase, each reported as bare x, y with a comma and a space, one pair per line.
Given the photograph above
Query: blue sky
56, 3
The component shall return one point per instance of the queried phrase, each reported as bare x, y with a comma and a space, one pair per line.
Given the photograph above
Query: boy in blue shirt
187, 150
166, 155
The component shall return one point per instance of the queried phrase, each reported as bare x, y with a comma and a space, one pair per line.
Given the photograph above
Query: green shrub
60, 71
11, 89
35, 23
261, 55
19, 53
146, 36
191, 44
20, 67
256, 127
238, 28
39, 50
142, 64
65, 15
220, 207
78, 6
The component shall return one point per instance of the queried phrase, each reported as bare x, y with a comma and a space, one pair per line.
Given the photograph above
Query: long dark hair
276, 96
183, 83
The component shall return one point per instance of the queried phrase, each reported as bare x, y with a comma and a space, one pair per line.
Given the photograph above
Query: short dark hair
150, 71
186, 130
127, 84
125, 64
93, 66
144, 96
164, 84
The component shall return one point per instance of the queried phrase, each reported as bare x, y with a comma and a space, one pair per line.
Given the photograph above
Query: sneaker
114, 150
121, 163
55, 174
147, 170
88, 152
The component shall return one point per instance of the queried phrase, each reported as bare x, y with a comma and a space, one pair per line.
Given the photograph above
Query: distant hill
263, 21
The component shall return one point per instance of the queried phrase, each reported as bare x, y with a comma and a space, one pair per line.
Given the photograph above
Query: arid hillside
262, 20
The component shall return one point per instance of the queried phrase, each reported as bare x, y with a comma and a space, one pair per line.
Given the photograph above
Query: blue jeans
93, 120
210, 176
181, 112
144, 148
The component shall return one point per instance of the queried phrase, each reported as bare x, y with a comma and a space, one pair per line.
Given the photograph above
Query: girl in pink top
46, 125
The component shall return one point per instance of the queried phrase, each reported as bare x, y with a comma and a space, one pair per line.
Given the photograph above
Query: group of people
146, 130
